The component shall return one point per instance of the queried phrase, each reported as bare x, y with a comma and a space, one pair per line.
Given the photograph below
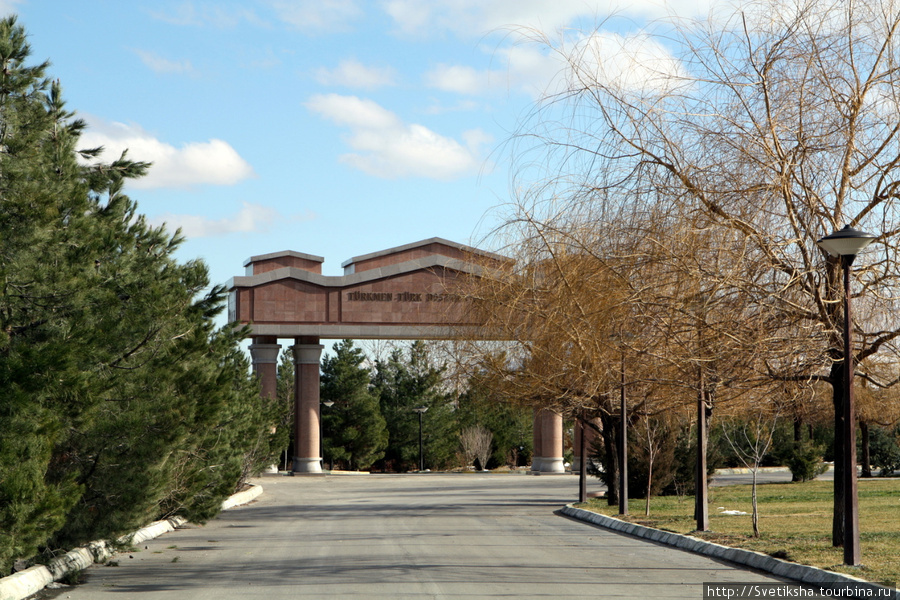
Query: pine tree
353, 427
405, 382
120, 400
510, 424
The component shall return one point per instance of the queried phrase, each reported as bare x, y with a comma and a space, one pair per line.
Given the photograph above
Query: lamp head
846, 242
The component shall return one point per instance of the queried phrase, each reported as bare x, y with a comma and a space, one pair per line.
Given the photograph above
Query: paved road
404, 536
765, 475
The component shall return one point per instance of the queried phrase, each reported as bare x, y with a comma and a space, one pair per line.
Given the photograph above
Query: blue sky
331, 127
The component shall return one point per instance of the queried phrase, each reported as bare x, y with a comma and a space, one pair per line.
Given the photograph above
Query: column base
304, 466
550, 464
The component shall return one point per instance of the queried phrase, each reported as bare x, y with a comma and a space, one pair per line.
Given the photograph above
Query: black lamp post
327, 404
421, 410
847, 243
623, 446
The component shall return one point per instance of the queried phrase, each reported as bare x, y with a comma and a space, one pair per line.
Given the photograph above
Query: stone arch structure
401, 293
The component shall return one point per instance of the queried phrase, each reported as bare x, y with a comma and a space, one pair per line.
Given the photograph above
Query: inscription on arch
405, 292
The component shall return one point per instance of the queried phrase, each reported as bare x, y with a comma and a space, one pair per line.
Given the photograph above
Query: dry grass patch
795, 523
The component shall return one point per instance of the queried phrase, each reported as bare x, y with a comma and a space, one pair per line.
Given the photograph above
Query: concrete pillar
264, 356
536, 430
552, 442
307, 353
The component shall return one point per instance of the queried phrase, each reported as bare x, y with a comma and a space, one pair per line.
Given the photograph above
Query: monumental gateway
403, 293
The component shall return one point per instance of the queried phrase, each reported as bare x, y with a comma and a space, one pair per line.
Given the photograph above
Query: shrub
884, 449
805, 461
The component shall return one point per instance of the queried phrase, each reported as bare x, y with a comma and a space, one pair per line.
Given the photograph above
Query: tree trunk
798, 437
582, 468
701, 508
611, 459
866, 461
755, 505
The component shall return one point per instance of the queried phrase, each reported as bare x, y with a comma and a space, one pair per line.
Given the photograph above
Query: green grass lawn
795, 523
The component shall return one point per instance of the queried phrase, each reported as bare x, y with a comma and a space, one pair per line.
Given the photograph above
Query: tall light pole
847, 243
623, 446
421, 410
327, 404
582, 468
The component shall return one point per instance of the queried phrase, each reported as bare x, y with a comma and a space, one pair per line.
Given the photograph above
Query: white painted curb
748, 558
30, 581
243, 497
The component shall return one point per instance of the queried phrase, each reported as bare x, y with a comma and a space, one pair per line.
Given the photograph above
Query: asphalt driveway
403, 536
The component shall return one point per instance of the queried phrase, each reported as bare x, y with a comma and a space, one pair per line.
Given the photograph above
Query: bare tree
750, 437
476, 444
649, 430
766, 128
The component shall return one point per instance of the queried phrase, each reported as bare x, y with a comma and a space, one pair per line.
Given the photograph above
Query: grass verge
795, 523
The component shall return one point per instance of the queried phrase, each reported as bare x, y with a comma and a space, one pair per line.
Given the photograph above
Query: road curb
747, 558
19, 586
243, 497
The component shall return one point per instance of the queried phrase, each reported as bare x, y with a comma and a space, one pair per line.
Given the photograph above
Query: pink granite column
264, 356
307, 352
552, 442
537, 441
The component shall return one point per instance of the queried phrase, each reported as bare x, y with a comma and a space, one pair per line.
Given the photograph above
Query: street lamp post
847, 243
623, 447
421, 410
327, 404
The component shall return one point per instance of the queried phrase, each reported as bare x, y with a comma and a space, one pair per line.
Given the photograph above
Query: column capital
307, 354
261, 354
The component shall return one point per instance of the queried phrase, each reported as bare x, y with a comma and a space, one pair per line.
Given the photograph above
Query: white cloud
526, 67
438, 108
251, 218
159, 64
212, 162
387, 147
216, 14
638, 63
462, 79
544, 66
318, 15
8, 7
352, 73
474, 18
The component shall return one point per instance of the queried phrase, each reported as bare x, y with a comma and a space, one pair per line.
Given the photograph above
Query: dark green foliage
120, 400
603, 452
662, 443
510, 424
406, 382
805, 460
283, 409
884, 449
353, 429
684, 478
664, 460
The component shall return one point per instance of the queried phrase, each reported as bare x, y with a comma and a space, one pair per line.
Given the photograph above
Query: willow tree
773, 125
566, 304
